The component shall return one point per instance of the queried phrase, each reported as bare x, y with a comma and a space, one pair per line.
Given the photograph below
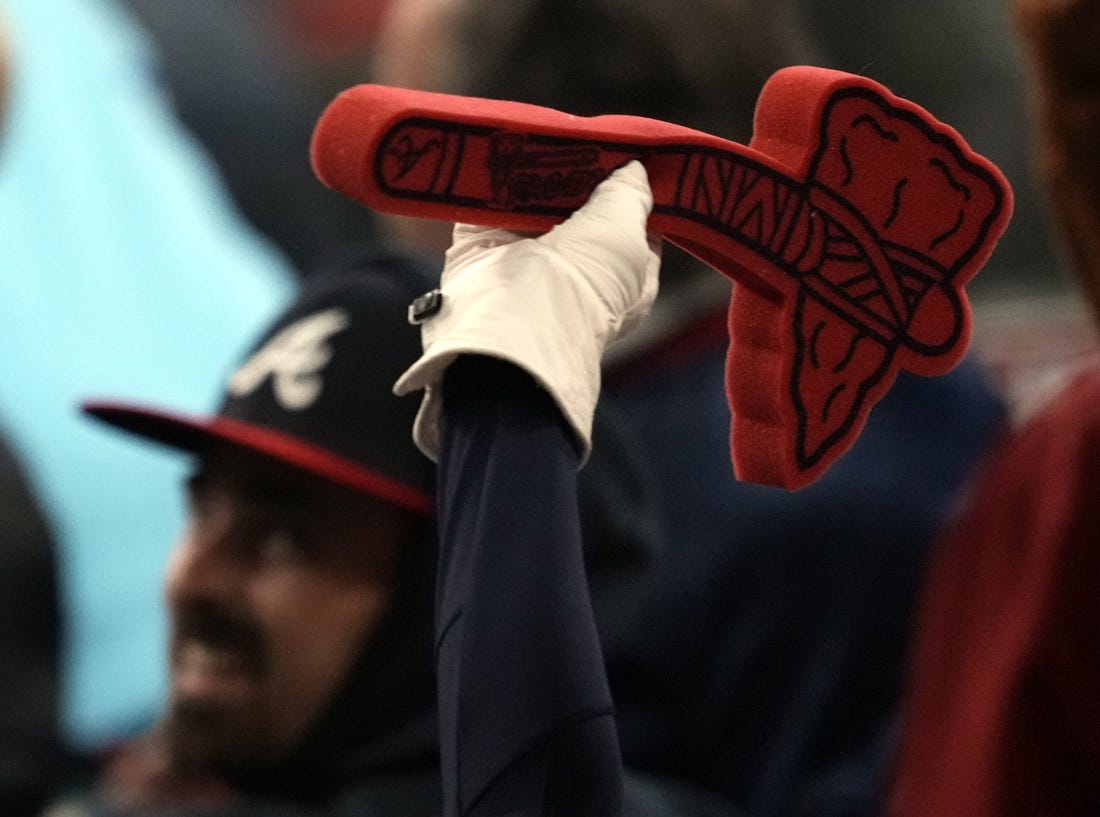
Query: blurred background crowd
157, 206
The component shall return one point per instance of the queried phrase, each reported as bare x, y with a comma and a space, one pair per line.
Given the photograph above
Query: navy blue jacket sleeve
526, 721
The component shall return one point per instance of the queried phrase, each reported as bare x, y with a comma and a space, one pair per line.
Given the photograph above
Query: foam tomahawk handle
851, 223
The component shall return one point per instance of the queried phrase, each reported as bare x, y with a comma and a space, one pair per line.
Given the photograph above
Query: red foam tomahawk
851, 223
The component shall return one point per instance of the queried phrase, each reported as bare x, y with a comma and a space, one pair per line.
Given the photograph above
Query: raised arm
511, 368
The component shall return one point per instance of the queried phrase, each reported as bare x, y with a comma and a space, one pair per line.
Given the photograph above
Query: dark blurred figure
766, 662
1003, 705
30, 648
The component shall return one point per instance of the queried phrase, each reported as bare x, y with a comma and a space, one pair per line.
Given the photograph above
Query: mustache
219, 628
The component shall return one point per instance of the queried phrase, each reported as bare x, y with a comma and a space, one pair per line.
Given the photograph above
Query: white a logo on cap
294, 358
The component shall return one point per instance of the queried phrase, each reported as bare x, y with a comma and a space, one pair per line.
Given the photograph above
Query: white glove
548, 304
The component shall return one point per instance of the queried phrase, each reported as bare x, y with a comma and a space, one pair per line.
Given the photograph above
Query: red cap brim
195, 433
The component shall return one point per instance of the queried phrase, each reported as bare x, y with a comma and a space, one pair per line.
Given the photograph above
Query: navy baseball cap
315, 391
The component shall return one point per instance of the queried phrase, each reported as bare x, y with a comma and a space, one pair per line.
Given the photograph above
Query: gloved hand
548, 304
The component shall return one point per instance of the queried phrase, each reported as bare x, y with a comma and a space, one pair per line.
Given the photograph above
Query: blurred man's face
277, 584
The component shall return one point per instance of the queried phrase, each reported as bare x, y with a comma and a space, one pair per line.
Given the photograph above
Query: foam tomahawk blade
851, 223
